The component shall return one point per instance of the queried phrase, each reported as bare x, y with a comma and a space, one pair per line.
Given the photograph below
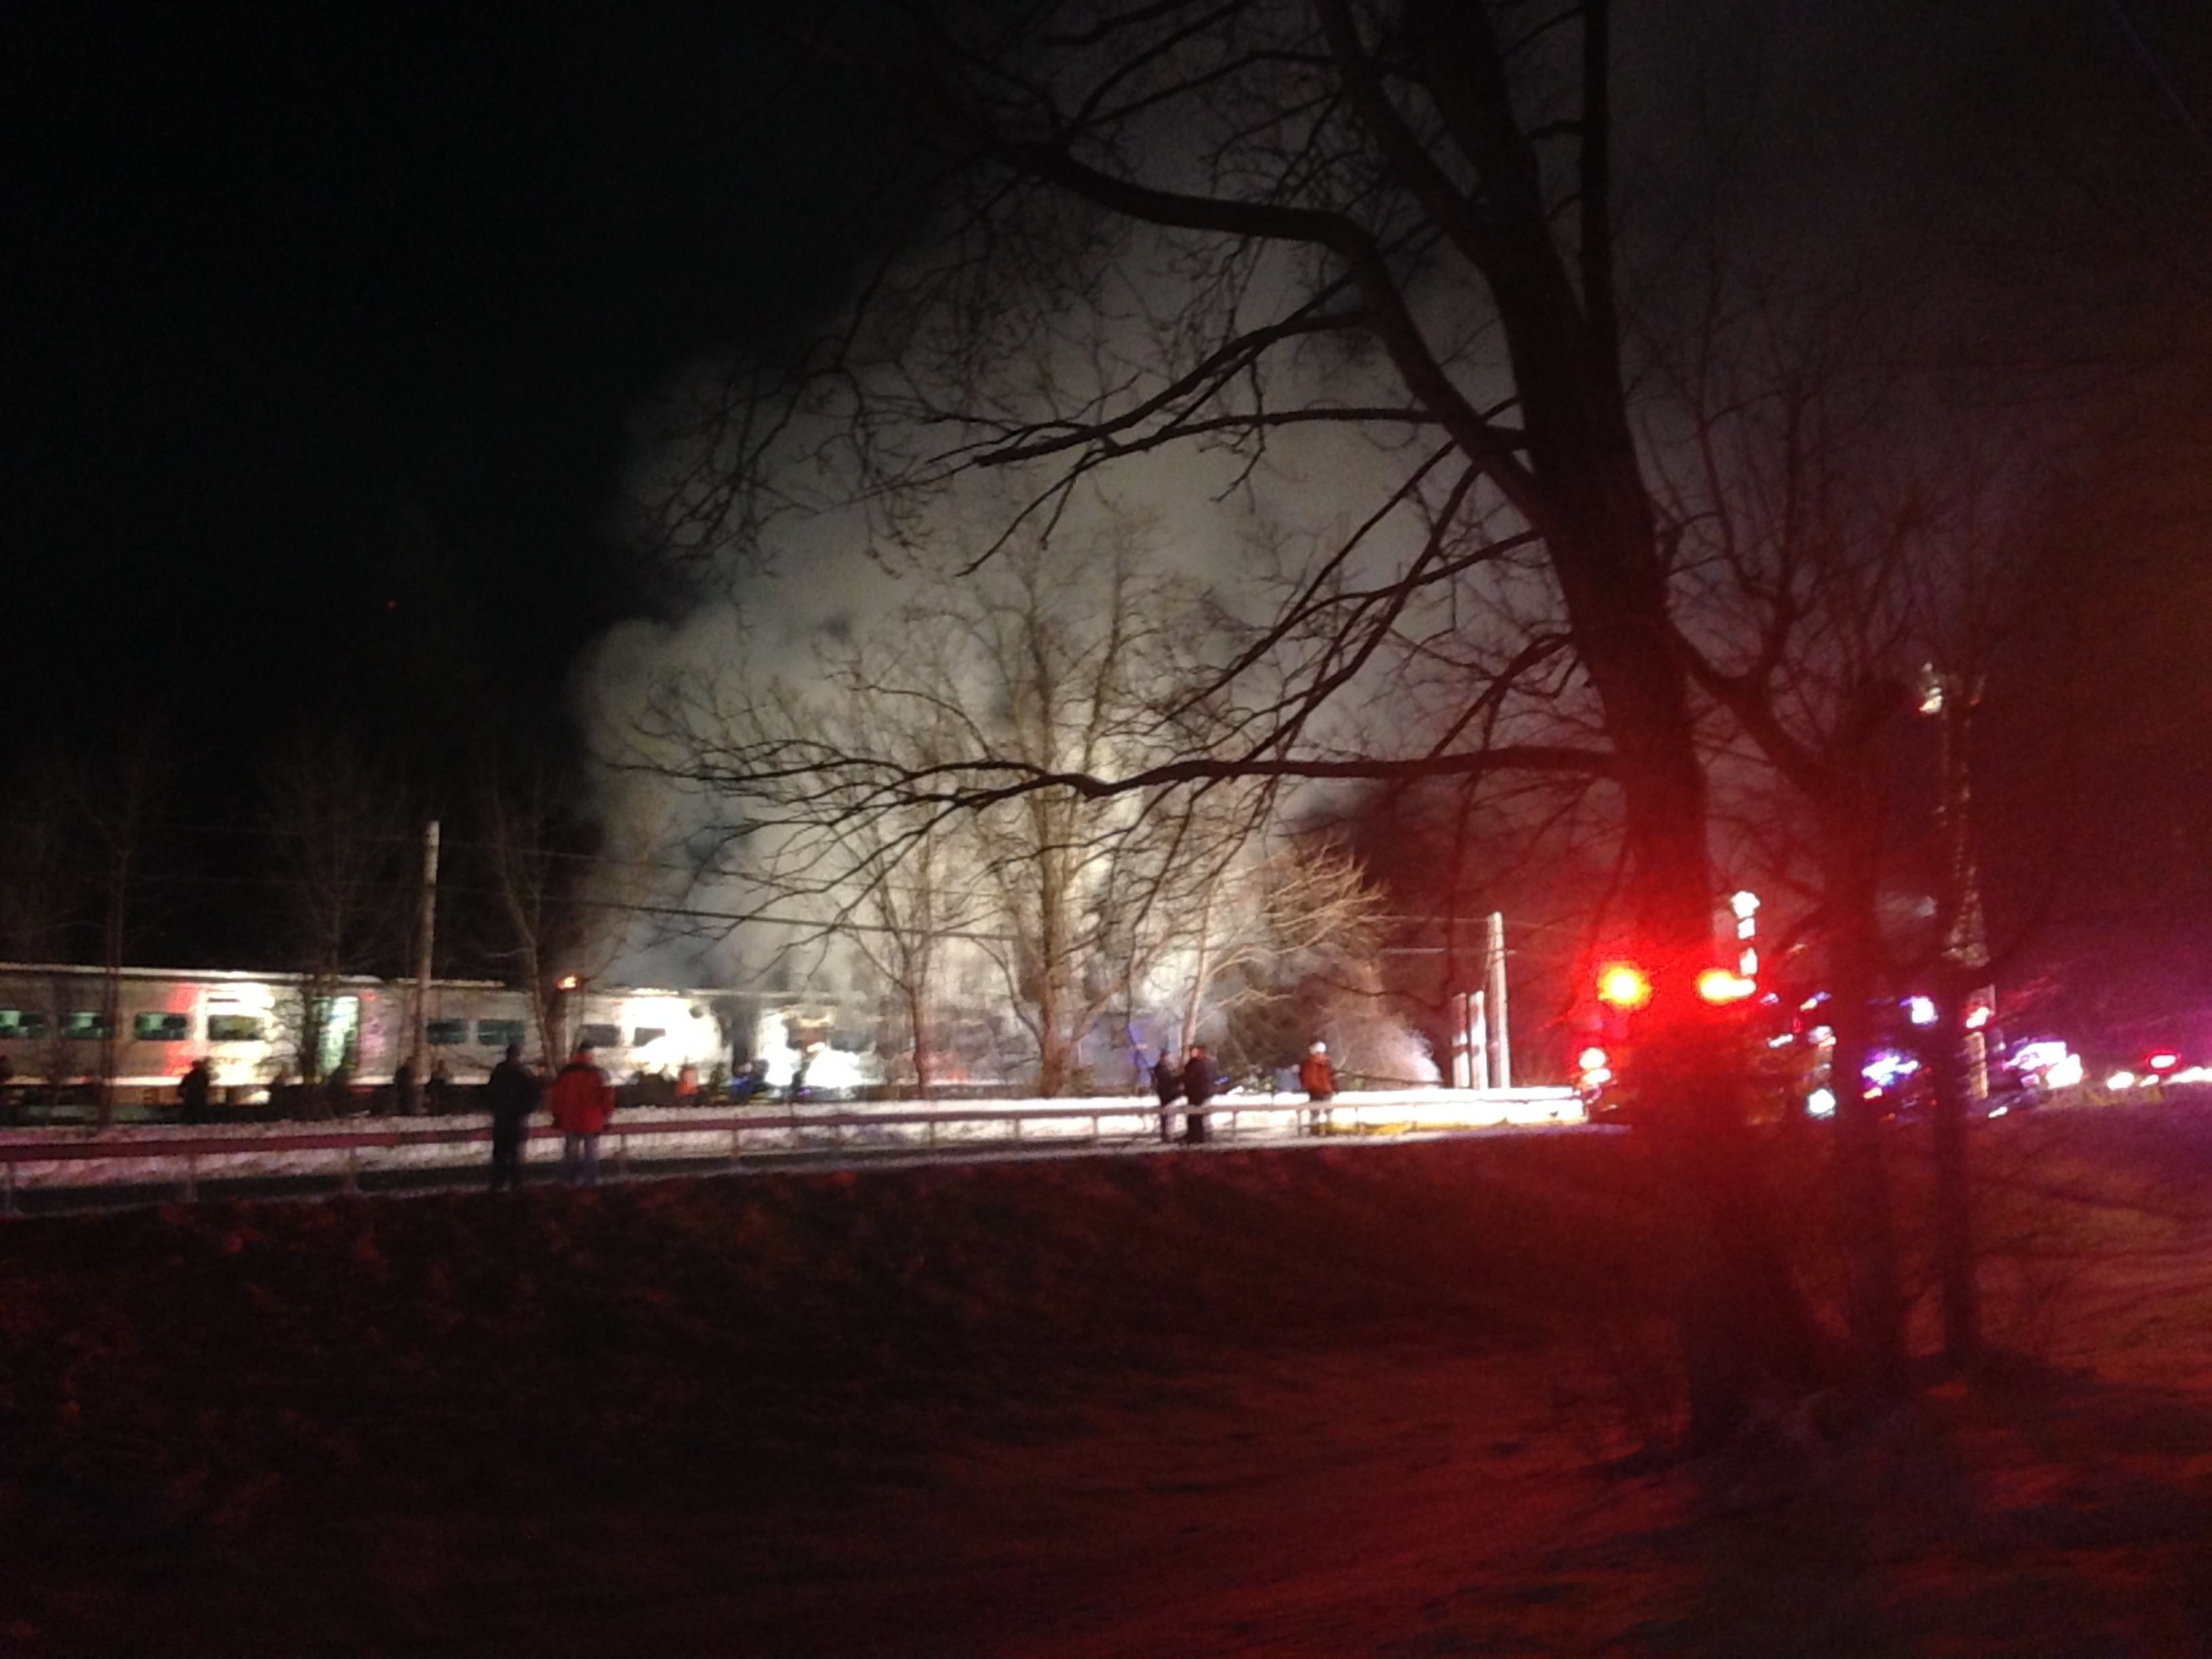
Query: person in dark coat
1318, 1078
512, 1091
582, 1100
194, 1089
1167, 1083
338, 1090
403, 1101
1198, 1083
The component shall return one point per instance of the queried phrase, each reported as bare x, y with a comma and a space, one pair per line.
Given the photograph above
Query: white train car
250, 1027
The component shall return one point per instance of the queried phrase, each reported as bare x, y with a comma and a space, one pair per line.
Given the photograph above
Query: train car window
234, 1028
646, 1034
21, 1023
600, 1037
499, 1033
447, 1033
161, 1028
84, 1022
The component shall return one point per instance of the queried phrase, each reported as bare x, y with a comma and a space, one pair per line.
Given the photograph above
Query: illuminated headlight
1821, 1102
2121, 1080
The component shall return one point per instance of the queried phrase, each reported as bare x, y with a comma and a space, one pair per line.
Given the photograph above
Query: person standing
1318, 1078
581, 1102
1198, 1083
1167, 1083
194, 1089
512, 1091
403, 1102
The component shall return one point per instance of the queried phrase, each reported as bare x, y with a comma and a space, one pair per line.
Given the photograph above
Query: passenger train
249, 1028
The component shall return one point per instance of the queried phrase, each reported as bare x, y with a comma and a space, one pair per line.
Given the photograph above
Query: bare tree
1274, 916
42, 892
1833, 543
566, 902
115, 808
1045, 664
1232, 231
340, 827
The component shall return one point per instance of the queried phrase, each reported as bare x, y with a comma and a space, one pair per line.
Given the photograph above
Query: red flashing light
1721, 985
2164, 1060
1623, 985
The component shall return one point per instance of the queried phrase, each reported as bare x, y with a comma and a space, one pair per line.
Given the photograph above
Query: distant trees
340, 829
556, 900
851, 801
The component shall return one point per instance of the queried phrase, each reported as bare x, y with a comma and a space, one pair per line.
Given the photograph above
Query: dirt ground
1357, 1400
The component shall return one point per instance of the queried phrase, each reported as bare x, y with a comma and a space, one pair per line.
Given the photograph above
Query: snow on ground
1370, 1399
642, 1135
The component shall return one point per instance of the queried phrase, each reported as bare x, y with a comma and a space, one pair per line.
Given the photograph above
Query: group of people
580, 1099
1195, 1082
408, 1093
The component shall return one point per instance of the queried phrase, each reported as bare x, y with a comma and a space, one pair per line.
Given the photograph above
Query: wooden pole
426, 930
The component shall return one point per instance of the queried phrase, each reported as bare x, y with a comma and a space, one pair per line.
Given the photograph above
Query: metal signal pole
1501, 1037
426, 930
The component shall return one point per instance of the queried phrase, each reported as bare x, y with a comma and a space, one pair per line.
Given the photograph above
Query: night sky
327, 324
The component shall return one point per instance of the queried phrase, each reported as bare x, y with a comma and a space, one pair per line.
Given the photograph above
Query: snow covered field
1372, 1399
642, 1135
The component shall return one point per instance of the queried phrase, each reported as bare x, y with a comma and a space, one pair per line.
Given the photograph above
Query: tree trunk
1953, 1217
1850, 830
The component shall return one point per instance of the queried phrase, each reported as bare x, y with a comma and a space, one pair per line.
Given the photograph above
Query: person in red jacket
1318, 1078
581, 1102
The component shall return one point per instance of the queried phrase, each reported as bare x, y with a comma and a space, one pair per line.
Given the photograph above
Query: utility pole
1500, 1033
1966, 1004
426, 930
1470, 1041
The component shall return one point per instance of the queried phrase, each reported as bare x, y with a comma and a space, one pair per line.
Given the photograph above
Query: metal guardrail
1225, 1114
192, 1149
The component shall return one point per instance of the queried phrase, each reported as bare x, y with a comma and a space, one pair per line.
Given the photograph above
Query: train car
252, 1030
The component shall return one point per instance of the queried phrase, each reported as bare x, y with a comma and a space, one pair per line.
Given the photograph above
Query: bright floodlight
2121, 1080
1590, 1059
1718, 985
1821, 1102
2164, 1060
1921, 1011
1623, 985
